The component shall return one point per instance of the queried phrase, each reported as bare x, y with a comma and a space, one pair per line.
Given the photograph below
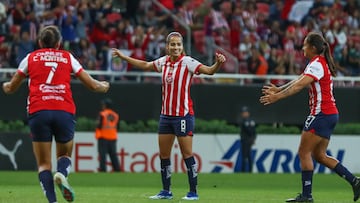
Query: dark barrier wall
16, 152
143, 102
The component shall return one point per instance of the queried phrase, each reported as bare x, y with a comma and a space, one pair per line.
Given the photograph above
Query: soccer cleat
300, 198
163, 194
191, 196
356, 189
64, 187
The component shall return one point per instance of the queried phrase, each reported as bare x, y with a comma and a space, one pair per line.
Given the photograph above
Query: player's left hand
268, 98
6, 87
220, 58
270, 88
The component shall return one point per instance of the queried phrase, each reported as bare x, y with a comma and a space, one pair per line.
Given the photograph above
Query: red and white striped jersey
49, 72
321, 98
176, 83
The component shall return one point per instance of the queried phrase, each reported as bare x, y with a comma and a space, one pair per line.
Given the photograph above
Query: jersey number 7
53, 66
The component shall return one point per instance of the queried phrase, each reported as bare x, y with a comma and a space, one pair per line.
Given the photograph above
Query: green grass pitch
23, 187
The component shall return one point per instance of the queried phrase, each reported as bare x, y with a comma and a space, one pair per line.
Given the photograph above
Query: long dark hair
322, 47
49, 37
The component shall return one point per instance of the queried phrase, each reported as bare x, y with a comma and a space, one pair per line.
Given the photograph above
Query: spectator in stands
138, 43
87, 53
30, 26
187, 13
5, 34
351, 6
289, 48
20, 11
279, 66
39, 8
156, 47
275, 37
121, 34
150, 19
250, 18
236, 27
81, 26
131, 9
273, 60
68, 22
48, 18
100, 36
257, 64
353, 22
264, 46
209, 36
24, 46
15, 39
245, 48
275, 10
354, 58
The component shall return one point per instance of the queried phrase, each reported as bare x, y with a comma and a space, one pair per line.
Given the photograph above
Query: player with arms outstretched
177, 115
51, 109
323, 117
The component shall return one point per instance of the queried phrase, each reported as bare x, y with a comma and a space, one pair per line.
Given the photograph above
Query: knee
303, 154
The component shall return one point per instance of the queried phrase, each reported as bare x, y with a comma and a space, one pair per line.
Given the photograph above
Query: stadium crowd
264, 36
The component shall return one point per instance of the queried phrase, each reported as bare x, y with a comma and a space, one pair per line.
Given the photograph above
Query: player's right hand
117, 53
106, 86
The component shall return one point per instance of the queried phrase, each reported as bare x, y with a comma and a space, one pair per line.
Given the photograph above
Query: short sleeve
192, 64
159, 63
23, 66
314, 70
76, 66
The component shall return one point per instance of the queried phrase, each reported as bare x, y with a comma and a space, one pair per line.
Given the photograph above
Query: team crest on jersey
169, 79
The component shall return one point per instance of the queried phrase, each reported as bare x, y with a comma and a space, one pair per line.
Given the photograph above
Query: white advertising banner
215, 153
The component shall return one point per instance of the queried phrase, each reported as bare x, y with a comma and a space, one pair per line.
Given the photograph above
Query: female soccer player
177, 114
323, 114
51, 108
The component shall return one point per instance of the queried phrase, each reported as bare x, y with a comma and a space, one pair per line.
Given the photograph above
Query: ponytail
322, 47
330, 59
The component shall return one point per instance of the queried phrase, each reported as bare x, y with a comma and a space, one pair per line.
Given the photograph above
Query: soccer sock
64, 165
47, 185
192, 173
166, 173
344, 173
306, 177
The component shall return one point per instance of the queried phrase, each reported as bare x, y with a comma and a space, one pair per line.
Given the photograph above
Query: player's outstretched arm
93, 84
270, 88
144, 65
220, 59
295, 87
14, 84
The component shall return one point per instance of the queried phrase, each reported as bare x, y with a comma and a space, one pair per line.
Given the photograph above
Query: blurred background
253, 35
